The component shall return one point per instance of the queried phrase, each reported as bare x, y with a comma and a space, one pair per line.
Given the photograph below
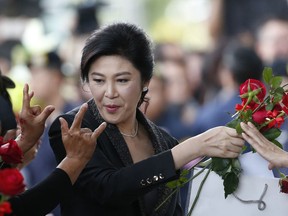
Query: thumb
98, 131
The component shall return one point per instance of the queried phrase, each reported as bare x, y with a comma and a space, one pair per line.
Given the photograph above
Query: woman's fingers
64, 127
255, 137
79, 117
25, 100
26, 97
36, 110
46, 113
232, 132
98, 131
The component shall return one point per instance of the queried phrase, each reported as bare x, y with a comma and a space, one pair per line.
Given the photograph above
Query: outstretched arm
220, 141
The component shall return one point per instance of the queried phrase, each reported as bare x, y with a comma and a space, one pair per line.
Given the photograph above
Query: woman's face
116, 88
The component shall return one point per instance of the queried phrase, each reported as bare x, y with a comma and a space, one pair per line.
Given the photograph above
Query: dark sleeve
119, 186
43, 197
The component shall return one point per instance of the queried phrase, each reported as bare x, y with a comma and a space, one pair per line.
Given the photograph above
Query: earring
145, 89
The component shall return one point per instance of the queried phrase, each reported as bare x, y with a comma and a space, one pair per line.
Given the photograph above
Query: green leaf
277, 144
236, 165
230, 183
267, 75
277, 95
276, 81
233, 123
247, 116
180, 181
269, 106
279, 90
172, 184
272, 133
238, 128
220, 165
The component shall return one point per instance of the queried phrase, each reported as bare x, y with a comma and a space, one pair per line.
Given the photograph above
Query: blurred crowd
191, 90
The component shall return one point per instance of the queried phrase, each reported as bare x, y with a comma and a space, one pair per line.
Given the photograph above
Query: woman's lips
111, 108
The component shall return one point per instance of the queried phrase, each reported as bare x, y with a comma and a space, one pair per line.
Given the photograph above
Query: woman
276, 156
134, 158
79, 144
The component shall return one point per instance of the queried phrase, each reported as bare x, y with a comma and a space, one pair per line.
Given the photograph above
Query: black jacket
111, 184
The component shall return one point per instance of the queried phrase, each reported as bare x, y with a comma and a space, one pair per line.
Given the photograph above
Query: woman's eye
122, 80
98, 80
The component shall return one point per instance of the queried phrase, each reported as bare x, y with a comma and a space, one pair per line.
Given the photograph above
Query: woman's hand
32, 121
268, 150
220, 141
80, 144
223, 142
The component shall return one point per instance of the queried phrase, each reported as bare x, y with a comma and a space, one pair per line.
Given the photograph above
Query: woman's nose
111, 91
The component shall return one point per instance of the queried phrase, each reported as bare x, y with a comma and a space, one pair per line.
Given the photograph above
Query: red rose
276, 118
283, 182
284, 102
260, 116
10, 152
5, 208
240, 107
250, 85
11, 182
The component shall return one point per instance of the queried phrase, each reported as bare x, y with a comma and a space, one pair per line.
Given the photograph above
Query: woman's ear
145, 86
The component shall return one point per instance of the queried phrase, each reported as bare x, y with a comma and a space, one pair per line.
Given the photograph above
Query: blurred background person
238, 63
272, 39
180, 106
194, 60
155, 106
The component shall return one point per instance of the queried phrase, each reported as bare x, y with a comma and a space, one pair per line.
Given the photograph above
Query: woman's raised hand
80, 143
268, 150
32, 121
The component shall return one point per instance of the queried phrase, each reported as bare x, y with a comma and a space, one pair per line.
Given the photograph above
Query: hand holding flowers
266, 112
258, 119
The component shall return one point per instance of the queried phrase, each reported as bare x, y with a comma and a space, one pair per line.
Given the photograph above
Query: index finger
79, 117
26, 97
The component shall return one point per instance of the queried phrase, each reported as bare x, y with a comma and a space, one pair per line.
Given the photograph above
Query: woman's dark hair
126, 40
123, 39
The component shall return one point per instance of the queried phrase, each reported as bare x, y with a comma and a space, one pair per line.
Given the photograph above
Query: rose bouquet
11, 180
266, 106
267, 110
